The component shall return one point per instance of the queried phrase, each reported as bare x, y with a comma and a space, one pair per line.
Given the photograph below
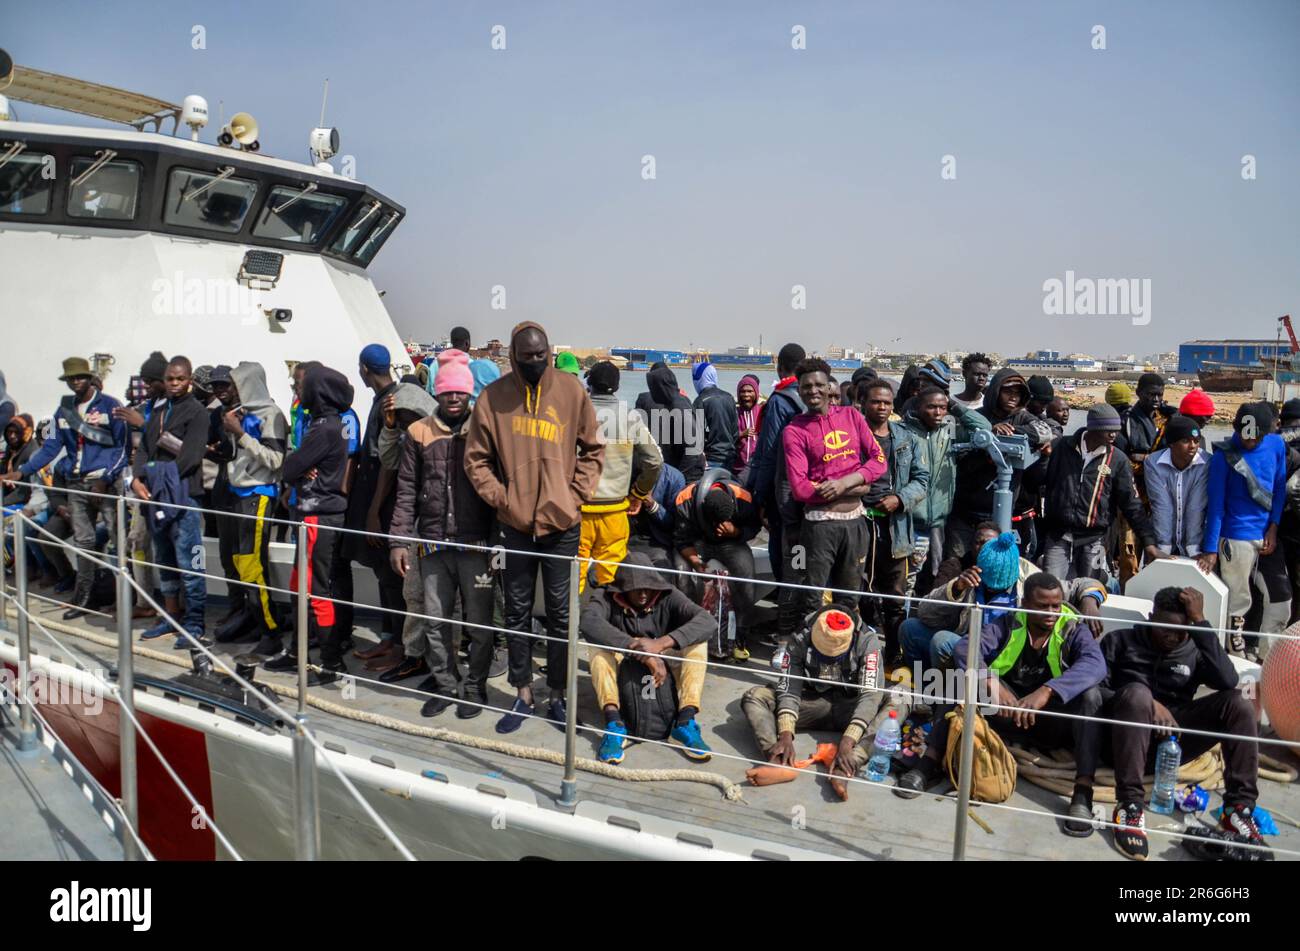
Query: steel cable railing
983, 703
219, 662
762, 582
855, 594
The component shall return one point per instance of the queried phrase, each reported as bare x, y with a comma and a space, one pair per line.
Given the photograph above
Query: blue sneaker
614, 743
688, 736
515, 718
158, 630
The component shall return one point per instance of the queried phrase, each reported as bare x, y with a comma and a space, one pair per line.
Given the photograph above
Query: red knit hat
1196, 403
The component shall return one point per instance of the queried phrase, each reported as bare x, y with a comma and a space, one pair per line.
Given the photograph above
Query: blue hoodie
1230, 511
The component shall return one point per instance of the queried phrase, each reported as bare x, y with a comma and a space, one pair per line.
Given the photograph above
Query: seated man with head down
641, 612
1155, 672
835, 681
1037, 658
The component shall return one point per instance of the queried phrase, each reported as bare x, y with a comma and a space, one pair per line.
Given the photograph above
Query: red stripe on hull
168, 823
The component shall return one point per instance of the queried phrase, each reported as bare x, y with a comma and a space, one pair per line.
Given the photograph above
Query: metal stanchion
306, 801
569, 785
126, 690
969, 704
26, 722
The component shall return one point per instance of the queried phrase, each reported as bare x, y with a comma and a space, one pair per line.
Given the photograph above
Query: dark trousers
520, 579
789, 601
1224, 711
836, 550
322, 549
86, 510
1048, 732
358, 548
885, 575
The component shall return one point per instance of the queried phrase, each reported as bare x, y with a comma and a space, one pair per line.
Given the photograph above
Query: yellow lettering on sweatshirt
535, 428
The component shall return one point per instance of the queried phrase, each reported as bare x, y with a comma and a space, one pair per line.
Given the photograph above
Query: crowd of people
462, 484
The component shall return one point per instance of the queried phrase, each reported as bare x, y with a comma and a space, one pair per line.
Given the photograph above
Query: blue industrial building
637, 357
1236, 352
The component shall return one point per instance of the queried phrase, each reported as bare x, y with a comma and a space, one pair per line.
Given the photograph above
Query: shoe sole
697, 756
1076, 833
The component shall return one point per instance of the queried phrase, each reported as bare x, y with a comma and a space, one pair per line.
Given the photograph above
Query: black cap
1181, 427
1040, 389
1291, 410
604, 377
220, 374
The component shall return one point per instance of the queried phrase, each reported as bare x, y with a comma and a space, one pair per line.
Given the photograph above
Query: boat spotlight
261, 266
324, 144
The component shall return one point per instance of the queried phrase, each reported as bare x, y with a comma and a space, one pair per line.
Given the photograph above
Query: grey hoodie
257, 459
406, 396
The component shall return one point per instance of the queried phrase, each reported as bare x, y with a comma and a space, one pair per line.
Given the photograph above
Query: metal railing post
306, 800
26, 722
126, 689
569, 785
969, 704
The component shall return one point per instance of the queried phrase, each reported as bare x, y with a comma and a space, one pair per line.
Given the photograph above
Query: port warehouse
1235, 352
642, 358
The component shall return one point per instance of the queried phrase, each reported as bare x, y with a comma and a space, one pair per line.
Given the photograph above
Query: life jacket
1020, 636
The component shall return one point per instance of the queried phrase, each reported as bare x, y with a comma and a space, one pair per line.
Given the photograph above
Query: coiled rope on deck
1055, 772
731, 791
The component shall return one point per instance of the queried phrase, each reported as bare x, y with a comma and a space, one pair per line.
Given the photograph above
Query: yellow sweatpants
689, 675
603, 538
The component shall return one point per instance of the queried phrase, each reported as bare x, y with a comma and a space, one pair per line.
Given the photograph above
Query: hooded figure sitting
835, 681
641, 612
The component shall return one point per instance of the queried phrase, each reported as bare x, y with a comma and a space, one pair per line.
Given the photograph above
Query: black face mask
532, 372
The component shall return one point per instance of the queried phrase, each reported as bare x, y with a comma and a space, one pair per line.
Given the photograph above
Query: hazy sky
774, 167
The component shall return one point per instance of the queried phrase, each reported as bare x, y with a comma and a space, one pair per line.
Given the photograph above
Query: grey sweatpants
1244, 570
444, 574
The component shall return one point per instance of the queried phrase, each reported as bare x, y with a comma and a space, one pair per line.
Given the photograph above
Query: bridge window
366, 253
294, 214
109, 192
364, 219
203, 200
24, 188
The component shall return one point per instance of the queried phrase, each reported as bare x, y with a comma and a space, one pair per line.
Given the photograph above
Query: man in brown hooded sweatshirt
534, 454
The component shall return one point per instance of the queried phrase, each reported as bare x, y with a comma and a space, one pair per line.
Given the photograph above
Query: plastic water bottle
883, 748
1169, 756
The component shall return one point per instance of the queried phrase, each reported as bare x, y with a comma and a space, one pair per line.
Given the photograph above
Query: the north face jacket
435, 499
534, 453
859, 673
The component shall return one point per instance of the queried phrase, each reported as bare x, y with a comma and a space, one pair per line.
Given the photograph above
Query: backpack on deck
649, 712
993, 772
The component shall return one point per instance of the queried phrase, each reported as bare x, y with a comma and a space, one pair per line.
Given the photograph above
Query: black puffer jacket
435, 499
326, 394
1084, 498
976, 473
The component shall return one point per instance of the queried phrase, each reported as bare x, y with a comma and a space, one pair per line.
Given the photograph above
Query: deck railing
308, 748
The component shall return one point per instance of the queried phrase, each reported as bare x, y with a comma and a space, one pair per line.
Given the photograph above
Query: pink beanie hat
453, 373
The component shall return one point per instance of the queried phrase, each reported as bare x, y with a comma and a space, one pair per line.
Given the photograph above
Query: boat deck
46, 815
802, 815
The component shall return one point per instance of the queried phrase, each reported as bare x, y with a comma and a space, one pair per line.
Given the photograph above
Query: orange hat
832, 632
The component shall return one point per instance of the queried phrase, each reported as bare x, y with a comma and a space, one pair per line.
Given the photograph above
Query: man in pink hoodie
831, 459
